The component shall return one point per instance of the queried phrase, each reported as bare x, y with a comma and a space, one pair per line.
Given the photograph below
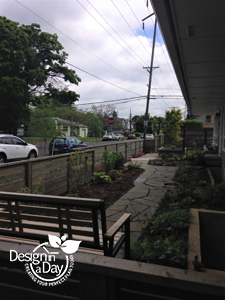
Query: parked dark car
64, 144
131, 136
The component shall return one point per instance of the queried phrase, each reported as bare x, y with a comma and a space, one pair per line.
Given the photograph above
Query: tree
32, 63
42, 120
151, 120
104, 112
172, 126
95, 127
72, 114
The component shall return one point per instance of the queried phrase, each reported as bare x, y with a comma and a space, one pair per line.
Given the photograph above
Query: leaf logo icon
68, 246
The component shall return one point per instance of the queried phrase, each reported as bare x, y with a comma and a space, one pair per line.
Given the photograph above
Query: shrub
193, 124
101, 177
169, 252
115, 175
108, 161
38, 189
119, 160
171, 221
139, 154
100, 168
135, 165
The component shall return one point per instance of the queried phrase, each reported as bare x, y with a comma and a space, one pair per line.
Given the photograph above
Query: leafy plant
135, 165
139, 154
38, 189
214, 194
171, 221
108, 161
186, 183
101, 177
115, 175
119, 160
76, 161
166, 251
172, 125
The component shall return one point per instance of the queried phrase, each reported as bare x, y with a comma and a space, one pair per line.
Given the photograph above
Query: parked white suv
13, 148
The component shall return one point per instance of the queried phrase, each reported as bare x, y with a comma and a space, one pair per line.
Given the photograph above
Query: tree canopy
32, 63
172, 125
151, 120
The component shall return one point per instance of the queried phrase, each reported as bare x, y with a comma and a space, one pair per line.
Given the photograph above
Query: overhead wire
110, 33
137, 38
76, 42
101, 78
129, 26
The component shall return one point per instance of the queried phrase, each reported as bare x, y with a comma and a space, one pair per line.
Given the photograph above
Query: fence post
28, 176
93, 161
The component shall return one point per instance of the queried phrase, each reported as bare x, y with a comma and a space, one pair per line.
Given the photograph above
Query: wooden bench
32, 217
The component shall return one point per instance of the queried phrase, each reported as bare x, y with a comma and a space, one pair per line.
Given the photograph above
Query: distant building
71, 128
207, 119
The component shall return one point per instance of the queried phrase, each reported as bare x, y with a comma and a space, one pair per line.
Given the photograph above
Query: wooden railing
54, 170
105, 278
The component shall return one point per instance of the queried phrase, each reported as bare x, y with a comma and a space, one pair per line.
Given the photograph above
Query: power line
129, 26
76, 42
127, 100
110, 33
101, 79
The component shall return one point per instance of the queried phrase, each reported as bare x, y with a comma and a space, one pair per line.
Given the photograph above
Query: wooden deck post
28, 176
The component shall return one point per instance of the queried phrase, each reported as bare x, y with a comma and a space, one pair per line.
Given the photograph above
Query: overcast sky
105, 38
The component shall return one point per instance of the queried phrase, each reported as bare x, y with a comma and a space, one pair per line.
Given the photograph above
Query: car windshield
117, 134
78, 140
108, 133
59, 141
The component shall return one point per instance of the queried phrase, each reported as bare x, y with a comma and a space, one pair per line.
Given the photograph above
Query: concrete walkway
143, 199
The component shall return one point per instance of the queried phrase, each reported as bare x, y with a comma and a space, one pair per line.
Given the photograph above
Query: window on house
65, 128
208, 119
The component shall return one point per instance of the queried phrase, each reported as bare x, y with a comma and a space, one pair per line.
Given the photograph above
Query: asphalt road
42, 152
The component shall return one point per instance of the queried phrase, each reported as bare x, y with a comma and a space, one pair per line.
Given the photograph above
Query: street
41, 146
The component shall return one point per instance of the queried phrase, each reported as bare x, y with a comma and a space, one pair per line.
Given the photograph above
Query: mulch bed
111, 191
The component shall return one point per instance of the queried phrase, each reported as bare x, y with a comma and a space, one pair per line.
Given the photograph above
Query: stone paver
143, 199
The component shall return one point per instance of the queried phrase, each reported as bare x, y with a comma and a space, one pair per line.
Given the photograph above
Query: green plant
119, 160
183, 204
101, 177
108, 161
170, 222
76, 161
135, 165
186, 183
214, 194
38, 189
166, 251
115, 175
172, 125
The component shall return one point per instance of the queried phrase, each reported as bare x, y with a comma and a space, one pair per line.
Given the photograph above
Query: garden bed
110, 191
165, 239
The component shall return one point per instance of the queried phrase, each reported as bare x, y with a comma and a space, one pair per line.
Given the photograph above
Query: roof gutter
166, 15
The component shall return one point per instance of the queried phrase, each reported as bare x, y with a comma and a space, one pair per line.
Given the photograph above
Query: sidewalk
143, 199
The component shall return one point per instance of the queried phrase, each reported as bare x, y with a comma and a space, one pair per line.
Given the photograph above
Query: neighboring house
71, 129
207, 119
126, 123
194, 35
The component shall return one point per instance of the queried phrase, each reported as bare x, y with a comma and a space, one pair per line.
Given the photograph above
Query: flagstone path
143, 199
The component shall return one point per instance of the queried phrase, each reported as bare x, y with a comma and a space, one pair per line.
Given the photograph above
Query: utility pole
150, 79
130, 120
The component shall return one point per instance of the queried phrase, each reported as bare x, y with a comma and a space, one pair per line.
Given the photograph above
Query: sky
108, 49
